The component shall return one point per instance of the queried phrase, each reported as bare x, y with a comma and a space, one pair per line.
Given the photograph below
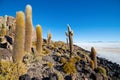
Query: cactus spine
28, 29
69, 34
39, 39
49, 36
93, 56
18, 48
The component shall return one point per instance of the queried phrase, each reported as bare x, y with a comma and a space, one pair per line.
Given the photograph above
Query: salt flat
108, 50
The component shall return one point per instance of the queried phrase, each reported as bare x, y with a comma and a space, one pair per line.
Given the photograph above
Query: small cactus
3, 31
92, 64
18, 48
28, 29
49, 36
39, 38
67, 41
102, 70
69, 34
93, 56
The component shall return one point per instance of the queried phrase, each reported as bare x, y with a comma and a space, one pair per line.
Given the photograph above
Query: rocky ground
55, 64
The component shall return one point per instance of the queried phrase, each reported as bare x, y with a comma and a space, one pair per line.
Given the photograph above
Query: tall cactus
5, 20
69, 34
18, 48
49, 36
39, 39
93, 56
28, 29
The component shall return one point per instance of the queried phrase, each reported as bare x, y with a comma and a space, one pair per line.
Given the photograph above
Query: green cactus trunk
28, 29
18, 48
69, 34
71, 45
67, 41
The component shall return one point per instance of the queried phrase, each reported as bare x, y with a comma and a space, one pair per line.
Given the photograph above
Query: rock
5, 55
68, 77
24, 77
48, 58
45, 78
92, 76
53, 76
4, 45
56, 58
35, 78
9, 39
78, 67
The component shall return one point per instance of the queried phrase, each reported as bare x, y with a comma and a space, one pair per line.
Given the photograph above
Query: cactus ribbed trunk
70, 44
18, 48
3, 31
49, 36
28, 29
69, 34
93, 56
39, 39
67, 41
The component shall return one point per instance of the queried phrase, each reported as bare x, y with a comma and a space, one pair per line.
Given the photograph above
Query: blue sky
91, 20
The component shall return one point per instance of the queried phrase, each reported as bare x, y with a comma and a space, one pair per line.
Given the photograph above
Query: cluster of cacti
93, 56
28, 29
69, 34
18, 48
49, 36
23, 35
39, 39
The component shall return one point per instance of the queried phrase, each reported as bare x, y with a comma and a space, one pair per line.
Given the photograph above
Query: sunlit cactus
92, 64
3, 31
18, 48
5, 20
28, 29
39, 39
49, 36
93, 56
69, 34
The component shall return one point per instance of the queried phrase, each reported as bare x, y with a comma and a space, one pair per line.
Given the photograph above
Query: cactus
49, 36
69, 34
92, 64
18, 48
28, 29
93, 56
67, 41
5, 20
102, 70
3, 31
39, 38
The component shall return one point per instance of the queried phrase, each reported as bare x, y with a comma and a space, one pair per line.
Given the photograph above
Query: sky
90, 20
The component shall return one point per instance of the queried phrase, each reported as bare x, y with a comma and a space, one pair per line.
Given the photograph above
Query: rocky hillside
23, 57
